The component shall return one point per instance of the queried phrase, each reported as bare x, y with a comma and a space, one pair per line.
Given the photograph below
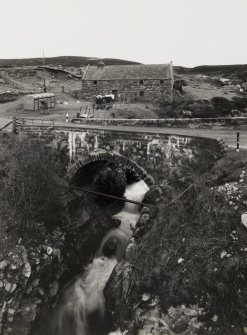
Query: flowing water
131, 212
81, 307
116, 241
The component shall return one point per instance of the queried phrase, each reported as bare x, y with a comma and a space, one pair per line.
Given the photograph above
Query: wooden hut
40, 101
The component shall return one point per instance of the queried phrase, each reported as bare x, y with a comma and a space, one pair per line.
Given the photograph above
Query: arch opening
107, 174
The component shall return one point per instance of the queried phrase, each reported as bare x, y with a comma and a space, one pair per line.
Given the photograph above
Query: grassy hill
239, 70
206, 95
65, 61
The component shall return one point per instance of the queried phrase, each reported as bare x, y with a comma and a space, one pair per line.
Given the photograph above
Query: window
141, 93
95, 82
161, 81
141, 82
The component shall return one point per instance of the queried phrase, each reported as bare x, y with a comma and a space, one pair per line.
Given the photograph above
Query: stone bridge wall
205, 123
151, 152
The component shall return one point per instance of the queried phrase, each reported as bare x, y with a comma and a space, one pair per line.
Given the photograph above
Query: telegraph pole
44, 87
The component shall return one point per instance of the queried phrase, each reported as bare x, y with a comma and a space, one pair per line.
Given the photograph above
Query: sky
186, 32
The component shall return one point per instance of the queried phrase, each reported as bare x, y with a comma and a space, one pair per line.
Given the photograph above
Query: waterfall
115, 242
131, 212
82, 300
80, 309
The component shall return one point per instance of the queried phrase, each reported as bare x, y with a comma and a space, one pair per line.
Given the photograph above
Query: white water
115, 242
80, 299
131, 212
84, 297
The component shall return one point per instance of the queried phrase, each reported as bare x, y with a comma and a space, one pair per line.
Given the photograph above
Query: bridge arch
111, 157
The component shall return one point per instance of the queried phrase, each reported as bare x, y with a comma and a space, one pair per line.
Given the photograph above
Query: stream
80, 309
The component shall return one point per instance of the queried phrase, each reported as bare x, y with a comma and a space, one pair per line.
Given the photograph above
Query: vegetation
194, 251
223, 70
31, 183
202, 108
222, 106
240, 103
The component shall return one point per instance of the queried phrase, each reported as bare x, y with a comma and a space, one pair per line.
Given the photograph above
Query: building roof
42, 95
124, 72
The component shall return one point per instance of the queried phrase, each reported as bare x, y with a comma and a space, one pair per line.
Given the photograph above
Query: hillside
63, 61
238, 70
210, 91
202, 91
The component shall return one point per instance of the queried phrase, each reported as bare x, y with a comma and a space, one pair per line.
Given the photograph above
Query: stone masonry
129, 82
149, 152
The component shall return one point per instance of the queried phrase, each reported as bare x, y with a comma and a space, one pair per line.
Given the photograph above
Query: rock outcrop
32, 274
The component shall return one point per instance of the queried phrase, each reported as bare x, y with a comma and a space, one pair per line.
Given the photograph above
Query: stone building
129, 82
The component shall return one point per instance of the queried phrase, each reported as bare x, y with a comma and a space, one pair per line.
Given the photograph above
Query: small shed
40, 101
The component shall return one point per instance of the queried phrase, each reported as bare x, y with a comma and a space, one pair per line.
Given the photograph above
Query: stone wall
151, 152
233, 123
130, 90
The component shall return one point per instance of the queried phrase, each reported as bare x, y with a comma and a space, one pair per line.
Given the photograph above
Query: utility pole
44, 87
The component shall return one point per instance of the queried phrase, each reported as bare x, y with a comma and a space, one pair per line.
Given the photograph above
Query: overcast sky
187, 32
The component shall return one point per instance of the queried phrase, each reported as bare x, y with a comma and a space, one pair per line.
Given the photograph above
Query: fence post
238, 141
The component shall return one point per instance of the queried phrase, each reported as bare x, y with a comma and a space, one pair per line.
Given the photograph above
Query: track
229, 136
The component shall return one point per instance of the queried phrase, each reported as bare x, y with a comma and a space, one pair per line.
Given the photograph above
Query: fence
34, 121
5, 126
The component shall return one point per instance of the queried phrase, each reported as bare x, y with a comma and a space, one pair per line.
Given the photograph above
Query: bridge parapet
149, 151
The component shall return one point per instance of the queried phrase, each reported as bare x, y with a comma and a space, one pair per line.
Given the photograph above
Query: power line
114, 197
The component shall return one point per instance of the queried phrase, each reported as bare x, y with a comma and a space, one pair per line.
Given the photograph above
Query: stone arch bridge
147, 154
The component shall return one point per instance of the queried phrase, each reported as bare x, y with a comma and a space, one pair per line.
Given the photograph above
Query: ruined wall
130, 90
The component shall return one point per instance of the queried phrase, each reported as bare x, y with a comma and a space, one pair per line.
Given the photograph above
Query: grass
193, 254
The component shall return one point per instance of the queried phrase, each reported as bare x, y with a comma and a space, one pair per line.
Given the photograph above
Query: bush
222, 106
240, 103
201, 109
31, 183
180, 258
242, 75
